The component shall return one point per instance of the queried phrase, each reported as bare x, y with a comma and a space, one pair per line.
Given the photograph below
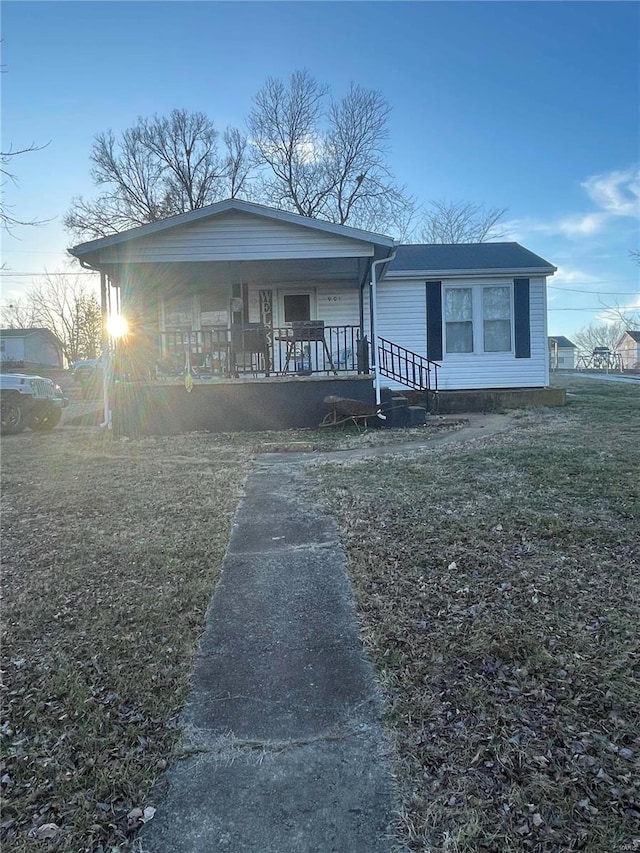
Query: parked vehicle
84, 368
29, 401
88, 374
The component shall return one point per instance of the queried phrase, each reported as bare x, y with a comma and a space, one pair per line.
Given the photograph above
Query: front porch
303, 348
243, 317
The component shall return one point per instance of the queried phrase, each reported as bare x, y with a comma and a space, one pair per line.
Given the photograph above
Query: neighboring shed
629, 348
36, 347
562, 353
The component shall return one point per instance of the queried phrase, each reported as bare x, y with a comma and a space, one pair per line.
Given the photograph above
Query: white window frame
311, 292
477, 319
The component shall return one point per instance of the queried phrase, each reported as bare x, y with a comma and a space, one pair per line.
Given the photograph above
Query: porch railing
408, 368
302, 349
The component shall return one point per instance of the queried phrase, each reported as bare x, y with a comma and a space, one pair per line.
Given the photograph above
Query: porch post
374, 322
104, 308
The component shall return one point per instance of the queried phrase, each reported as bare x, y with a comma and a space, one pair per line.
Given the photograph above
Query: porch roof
233, 230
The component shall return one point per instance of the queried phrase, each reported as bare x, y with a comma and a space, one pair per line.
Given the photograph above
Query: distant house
34, 347
562, 353
629, 348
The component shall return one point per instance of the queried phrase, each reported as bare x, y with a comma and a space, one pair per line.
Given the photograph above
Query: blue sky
531, 106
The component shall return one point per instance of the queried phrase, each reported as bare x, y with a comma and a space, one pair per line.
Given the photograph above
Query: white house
629, 348
38, 347
562, 353
239, 290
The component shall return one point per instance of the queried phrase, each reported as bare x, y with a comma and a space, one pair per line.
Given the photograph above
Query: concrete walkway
283, 747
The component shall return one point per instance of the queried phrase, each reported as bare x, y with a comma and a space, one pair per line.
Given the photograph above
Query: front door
295, 305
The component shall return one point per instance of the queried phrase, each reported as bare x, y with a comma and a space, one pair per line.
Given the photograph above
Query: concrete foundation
489, 400
230, 406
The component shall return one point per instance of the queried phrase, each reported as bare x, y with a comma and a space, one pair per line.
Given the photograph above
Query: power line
36, 252
597, 308
596, 292
42, 272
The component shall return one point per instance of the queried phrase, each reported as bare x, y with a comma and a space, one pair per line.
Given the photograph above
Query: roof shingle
467, 256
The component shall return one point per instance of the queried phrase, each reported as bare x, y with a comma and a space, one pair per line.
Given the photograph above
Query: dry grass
497, 584
110, 551
511, 682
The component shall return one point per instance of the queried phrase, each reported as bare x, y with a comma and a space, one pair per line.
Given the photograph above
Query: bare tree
325, 158
62, 303
623, 316
239, 162
18, 313
158, 168
7, 219
599, 335
461, 222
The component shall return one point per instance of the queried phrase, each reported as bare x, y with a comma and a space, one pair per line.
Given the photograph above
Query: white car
29, 401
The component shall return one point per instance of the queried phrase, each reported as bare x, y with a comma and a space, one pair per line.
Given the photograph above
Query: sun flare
117, 326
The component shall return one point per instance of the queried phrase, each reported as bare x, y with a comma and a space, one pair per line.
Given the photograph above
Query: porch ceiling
348, 271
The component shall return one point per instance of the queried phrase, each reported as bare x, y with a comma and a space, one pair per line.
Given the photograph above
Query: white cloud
614, 194
565, 275
579, 226
617, 193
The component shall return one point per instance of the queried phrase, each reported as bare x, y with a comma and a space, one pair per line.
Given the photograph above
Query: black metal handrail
254, 349
407, 367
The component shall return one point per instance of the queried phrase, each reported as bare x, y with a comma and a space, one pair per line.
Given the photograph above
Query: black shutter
434, 320
521, 317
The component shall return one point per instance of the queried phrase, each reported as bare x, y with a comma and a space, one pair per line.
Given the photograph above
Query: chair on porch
307, 332
250, 340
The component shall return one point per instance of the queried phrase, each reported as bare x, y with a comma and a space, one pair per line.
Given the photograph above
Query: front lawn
110, 550
497, 586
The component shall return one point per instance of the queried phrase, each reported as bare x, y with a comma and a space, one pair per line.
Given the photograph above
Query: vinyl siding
236, 236
402, 319
13, 349
336, 305
565, 357
630, 352
35, 349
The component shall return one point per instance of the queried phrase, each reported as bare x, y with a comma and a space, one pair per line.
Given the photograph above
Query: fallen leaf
47, 831
148, 814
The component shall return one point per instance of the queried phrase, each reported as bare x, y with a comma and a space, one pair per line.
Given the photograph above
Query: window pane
496, 309
297, 307
497, 303
458, 304
459, 337
497, 335
458, 314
